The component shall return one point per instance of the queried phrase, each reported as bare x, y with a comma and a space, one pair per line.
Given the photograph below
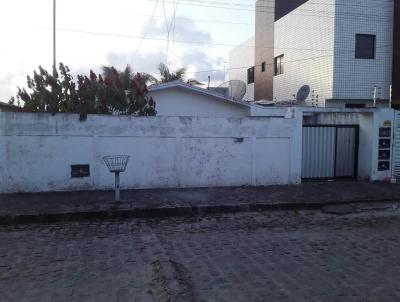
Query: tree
179, 75
116, 93
48, 93
127, 75
167, 76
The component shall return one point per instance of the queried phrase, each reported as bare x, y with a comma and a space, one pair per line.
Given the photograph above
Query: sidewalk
59, 206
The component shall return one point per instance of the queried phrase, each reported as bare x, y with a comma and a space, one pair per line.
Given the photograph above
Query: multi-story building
344, 51
239, 58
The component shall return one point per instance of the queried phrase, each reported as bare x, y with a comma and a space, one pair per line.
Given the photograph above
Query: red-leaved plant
116, 93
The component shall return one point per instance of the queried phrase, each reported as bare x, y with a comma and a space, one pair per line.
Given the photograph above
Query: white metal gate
396, 147
329, 151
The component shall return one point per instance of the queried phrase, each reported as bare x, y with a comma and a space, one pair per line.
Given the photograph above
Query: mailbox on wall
385, 134
384, 154
384, 143
383, 165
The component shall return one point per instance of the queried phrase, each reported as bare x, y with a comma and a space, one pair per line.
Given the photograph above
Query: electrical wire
177, 41
147, 29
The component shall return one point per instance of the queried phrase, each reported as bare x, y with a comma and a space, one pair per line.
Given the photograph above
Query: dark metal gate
330, 151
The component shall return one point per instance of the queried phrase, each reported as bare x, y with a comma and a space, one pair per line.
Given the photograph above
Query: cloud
141, 62
185, 29
191, 57
9, 83
194, 60
197, 60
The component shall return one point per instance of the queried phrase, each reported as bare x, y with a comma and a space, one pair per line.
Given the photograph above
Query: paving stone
74, 279
335, 263
269, 256
63, 206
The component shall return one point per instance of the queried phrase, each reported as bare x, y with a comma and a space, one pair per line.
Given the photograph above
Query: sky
93, 33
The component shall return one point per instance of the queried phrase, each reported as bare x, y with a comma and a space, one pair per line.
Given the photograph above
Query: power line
204, 43
167, 29
334, 5
272, 10
286, 62
179, 41
147, 29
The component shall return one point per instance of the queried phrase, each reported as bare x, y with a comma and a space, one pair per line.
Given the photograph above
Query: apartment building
346, 52
239, 58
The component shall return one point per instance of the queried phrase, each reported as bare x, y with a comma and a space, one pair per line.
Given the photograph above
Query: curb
176, 211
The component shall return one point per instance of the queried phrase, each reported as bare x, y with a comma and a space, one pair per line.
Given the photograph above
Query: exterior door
329, 152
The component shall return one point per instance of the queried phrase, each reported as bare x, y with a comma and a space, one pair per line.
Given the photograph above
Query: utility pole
54, 39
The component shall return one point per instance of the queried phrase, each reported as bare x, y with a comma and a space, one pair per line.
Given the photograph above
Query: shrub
91, 94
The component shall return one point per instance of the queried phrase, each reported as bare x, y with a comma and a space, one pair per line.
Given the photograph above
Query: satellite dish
235, 89
303, 93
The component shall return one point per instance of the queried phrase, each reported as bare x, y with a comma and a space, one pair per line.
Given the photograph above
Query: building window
278, 65
365, 46
263, 67
250, 75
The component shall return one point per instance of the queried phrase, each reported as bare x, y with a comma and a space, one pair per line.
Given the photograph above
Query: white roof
198, 90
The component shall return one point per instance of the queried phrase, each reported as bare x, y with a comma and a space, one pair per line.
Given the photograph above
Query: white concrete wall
336, 103
355, 78
241, 58
36, 151
338, 118
180, 102
366, 139
306, 38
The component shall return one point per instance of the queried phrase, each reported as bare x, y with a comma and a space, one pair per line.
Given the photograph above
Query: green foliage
127, 75
167, 76
116, 93
178, 75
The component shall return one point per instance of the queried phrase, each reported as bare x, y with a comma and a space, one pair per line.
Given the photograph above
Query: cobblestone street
270, 256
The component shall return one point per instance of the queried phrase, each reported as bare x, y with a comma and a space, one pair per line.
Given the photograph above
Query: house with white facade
181, 99
346, 52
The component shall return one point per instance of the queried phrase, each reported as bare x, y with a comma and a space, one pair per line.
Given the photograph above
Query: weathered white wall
336, 103
36, 151
355, 78
306, 38
340, 118
242, 58
365, 145
181, 102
